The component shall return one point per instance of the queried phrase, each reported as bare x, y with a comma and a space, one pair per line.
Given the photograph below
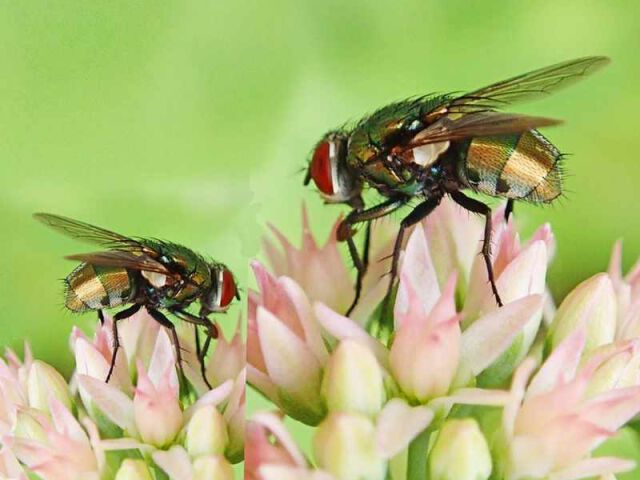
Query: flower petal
489, 336
175, 462
290, 364
417, 270
560, 367
592, 467
275, 426
344, 328
398, 424
113, 402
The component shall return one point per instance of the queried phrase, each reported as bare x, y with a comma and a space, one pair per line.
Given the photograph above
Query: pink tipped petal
289, 362
276, 428
175, 462
561, 365
398, 424
114, 403
613, 409
445, 308
518, 389
343, 328
592, 467
151, 403
65, 423
162, 359
489, 336
309, 326
417, 270
213, 397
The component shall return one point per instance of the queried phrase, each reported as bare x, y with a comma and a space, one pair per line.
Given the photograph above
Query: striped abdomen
523, 166
91, 287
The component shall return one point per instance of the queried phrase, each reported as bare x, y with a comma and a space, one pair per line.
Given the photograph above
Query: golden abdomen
92, 287
523, 167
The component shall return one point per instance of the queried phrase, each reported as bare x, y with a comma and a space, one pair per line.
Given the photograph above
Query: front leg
212, 332
345, 233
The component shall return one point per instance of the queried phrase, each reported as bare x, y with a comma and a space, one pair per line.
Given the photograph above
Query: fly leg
101, 317
476, 206
417, 214
126, 313
508, 210
345, 233
165, 322
212, 332
366, 246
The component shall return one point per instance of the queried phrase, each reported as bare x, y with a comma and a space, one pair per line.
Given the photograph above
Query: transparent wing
477, 125
86, 232
527, 86
119, 258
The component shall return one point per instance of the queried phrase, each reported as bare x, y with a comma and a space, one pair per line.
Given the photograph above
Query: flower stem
417, 458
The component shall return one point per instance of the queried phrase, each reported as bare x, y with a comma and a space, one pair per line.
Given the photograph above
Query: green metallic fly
148, 273
432, 146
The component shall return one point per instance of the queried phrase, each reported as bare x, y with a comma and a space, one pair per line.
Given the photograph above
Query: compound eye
321, 168
227, 288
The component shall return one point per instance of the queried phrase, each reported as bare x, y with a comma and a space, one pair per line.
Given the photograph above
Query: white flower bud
353, 380
460, 452
592, 305
344, 445
206, 432
133, 470
43, 382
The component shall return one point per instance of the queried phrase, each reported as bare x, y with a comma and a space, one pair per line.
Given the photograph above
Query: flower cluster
140, 425
457, 388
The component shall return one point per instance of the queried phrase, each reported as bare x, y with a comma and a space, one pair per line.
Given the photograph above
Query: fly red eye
321, 171
228, 290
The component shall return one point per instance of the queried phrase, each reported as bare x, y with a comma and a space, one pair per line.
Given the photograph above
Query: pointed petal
213, 397
275, 426
175, 462
114, 403
344, 328
518, 389
309, 326
417, 270
489, 336
162, 359
561, 365
398, 424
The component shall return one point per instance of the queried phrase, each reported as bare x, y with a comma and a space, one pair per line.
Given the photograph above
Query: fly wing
118, 258
528, 86
86, 232
476, 125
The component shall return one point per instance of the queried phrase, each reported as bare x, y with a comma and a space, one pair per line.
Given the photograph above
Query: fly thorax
427, 155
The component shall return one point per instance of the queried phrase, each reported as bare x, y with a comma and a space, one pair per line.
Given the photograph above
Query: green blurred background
191, 121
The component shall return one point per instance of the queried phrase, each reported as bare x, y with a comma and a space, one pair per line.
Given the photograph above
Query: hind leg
116, 340
476, 206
